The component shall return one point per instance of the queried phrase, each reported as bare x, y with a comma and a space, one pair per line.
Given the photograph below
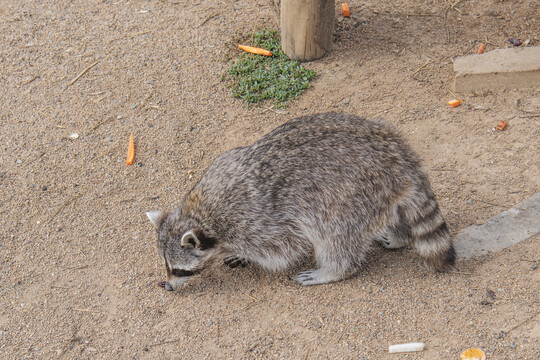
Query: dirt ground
79, 264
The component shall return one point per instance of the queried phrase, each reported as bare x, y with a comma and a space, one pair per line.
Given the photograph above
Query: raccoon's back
337, 163
327, 152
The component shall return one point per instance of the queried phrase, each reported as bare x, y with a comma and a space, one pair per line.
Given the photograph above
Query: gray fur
327, 185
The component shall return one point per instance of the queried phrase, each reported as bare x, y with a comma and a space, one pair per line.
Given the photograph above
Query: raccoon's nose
168, 287
165, 285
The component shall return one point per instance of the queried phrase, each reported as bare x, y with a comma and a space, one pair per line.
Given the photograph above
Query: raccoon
327, 186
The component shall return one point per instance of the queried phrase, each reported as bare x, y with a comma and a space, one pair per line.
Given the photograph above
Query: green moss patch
256, 78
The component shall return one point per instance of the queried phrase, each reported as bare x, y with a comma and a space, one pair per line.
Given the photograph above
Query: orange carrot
454, 103
473, 354
481, 49
501, 125
255, 50
131, 151
345, 9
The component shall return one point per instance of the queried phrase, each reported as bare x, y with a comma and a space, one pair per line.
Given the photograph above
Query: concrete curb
509, 68
500, 231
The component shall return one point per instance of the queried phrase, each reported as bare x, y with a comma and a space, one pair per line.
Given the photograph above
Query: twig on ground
31, 80
111, 149
59, 287
200, 348
421, 67
521, 323
208, 19
86, 310
99, 124
490, 203
461, 273
442, 169
82, 73
163, 343
453, 5
254, 298
421, 14
72, 339
453, 94
131, 35
343, 332
66, 203
78, 267
273, 110
282, 333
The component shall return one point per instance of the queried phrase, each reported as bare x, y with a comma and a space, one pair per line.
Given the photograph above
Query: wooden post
307, 28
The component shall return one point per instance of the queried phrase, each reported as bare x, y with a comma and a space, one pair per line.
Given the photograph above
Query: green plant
255, 78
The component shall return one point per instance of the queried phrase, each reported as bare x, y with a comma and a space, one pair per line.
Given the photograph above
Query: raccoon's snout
166, 285
177, 277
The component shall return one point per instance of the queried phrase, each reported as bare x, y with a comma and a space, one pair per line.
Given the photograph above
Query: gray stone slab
500, 231
509, 68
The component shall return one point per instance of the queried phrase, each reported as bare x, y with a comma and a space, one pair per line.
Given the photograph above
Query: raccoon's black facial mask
181, 273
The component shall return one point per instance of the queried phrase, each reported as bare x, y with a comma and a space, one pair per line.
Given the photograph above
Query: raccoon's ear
189, 238
156, 217
196, 238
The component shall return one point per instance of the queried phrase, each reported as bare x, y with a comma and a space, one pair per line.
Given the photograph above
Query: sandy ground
79, 265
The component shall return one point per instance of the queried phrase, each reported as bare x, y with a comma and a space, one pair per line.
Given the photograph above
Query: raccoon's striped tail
430, 234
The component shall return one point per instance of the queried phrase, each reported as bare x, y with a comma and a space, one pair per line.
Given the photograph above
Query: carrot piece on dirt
501, 125
255, 50
455, 102
345, 10
473, 354
131, 151
481, 49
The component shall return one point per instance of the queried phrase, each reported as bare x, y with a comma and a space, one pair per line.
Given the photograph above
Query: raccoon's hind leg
337, 259
396, 236
429, 231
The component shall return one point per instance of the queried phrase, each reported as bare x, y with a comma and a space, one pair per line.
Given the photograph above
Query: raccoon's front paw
235, 261
314, 277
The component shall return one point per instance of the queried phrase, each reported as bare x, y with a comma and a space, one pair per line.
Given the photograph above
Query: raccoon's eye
181, 273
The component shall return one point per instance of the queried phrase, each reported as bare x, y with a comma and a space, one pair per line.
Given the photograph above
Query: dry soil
79, 265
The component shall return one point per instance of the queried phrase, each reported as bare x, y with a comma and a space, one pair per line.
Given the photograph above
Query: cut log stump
307, 28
